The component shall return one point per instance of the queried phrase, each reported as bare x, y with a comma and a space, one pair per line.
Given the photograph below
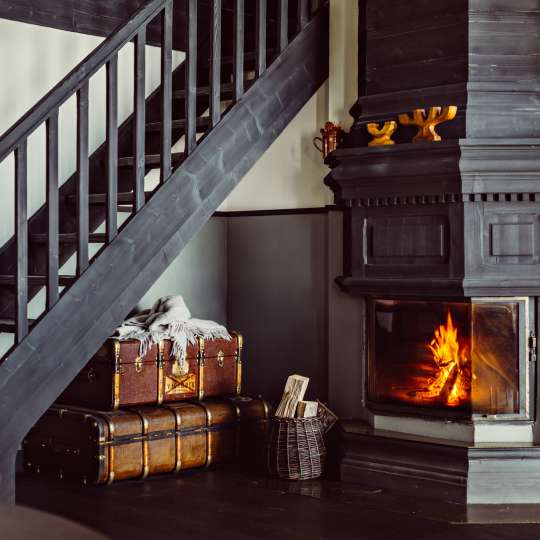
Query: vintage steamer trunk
102, 447
118, 377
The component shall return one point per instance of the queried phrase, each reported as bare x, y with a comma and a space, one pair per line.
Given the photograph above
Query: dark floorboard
226, 504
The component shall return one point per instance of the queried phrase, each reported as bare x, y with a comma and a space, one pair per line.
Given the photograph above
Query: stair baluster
191, 77
83, 227
283, 22
302, 14
21, 234
260, 67
139, 112
166, 91
238, 49
112, 148
53, 218
215, 63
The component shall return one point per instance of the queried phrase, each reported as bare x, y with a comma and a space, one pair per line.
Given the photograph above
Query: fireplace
441, 253
455, 359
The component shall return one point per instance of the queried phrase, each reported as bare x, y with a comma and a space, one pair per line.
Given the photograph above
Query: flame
451, 382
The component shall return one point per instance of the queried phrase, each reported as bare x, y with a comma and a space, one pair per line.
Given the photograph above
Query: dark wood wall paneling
419, 54
415, 44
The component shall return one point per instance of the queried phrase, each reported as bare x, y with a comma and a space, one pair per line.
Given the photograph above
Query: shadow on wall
199, 274
277, 298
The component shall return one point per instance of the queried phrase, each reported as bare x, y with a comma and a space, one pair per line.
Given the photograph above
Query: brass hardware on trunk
237, 440
220, 359
160, 374
240, 341
116, 375
426, 125
144, 440
177, 439
208, 434
139, 364
382, 136
110, 474
202, 361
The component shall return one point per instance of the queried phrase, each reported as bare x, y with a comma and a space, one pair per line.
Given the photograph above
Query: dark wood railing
207, 78
46, 112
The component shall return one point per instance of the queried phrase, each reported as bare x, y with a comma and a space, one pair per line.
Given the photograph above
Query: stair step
202, 122
67, 238
123, 198
249, 57
100, 199
227, 90
150, 159
7, 326
33, 281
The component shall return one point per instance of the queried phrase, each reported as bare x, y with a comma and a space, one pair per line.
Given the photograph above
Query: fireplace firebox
451, 359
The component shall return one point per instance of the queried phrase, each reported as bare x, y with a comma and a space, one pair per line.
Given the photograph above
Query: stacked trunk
127, 416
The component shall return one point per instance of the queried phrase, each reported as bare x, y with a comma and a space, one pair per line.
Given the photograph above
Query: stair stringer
62, 342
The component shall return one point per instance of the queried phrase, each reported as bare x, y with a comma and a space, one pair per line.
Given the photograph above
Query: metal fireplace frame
526, 361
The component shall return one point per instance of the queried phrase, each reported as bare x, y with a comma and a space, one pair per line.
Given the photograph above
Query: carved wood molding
443, 198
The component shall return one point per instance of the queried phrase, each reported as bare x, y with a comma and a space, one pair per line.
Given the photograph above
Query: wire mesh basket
296, 450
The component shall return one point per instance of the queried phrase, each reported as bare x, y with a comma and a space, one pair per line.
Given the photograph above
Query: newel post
7, 476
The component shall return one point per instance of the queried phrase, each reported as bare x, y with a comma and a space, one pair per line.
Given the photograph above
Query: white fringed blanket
171, 319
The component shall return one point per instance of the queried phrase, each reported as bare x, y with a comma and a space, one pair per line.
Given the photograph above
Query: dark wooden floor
226, 504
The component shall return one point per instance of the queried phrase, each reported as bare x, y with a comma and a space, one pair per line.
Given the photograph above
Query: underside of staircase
251, 96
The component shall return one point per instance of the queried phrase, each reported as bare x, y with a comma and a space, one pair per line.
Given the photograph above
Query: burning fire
452, 382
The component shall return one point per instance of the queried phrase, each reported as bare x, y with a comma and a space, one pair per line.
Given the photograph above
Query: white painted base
479, 432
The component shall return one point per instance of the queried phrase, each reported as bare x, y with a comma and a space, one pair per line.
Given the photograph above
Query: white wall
343, 80
199, 274
290, 173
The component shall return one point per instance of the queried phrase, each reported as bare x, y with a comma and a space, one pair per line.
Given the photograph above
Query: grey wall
199, 274
346, 333
277, 299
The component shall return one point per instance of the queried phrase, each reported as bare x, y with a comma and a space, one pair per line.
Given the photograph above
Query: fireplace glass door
459, 356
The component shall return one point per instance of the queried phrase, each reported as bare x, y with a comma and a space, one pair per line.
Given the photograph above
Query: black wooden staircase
250, 95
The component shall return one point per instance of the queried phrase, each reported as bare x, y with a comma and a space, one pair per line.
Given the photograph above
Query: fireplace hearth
441, 244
